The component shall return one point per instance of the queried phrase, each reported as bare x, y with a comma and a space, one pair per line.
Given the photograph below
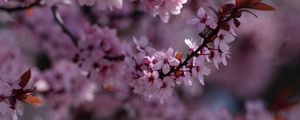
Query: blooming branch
155, 73
227, 13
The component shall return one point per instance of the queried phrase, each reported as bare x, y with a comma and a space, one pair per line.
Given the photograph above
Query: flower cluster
148, 68
100, 54
164, 8
157, 72
150, 71
64, 86
202, 20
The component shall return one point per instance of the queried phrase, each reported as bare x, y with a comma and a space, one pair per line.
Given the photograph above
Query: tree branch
60, 22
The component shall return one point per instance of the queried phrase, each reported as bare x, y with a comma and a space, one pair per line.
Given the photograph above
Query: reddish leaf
255, 1
254, 4
227, 9
224, 26
262, 6
243, 3
25, 78
239, 2
236, 22
33, 100
179, 56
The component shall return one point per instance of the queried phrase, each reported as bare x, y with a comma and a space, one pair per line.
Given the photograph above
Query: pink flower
149, 84
166, 88
217, 58
202, 20
223, 39
164, 8
166, 60
142, 45
186, 78
221, 47
199, 69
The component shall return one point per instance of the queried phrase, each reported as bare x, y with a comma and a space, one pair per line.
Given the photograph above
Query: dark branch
22, 7
60, 22
115, 58
193, 54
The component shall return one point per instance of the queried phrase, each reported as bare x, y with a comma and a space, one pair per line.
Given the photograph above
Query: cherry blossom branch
210, 37
59, 20
37, 3
225, 14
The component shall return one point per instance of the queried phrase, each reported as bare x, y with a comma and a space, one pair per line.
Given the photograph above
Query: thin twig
58, 19
115, 58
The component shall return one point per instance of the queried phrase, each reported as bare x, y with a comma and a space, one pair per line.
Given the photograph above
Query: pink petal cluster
64, 86
150, 75
174, 109
164, 8
202, 20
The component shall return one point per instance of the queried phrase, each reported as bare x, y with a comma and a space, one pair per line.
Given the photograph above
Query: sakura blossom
165, 61
164, 8
99, 54
202, 20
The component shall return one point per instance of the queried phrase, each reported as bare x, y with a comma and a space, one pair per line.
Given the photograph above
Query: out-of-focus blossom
100, 54
257, 111
66, 87
211, 114
164, 8
173, 109
200, 69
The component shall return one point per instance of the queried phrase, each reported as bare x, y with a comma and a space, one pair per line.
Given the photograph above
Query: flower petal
157, 66
173, 62
166, 68
201, 79
201, 12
